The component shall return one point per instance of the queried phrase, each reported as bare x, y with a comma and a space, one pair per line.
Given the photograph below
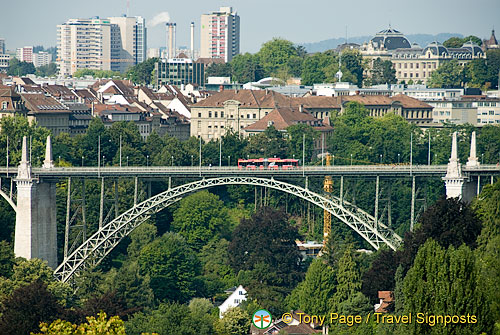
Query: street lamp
127, 160
398, 157
351, 159
147, 160
228, 160
192, 162
59, 162
172, 160
82, 160
333, 160
103, 160
380, 158
482, 158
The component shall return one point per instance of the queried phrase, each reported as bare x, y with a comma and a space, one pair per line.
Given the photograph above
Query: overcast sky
33, 22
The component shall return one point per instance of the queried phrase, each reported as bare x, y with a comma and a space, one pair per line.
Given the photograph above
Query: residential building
232, 110
2, 46
42, 58
236, 296
179, 71
25, 54
47, 112
220, 34
87, 44
133, 40
10, 102
113, 44
4, 61
386, 299
237, 110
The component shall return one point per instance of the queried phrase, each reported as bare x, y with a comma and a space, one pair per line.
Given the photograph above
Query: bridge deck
216, 171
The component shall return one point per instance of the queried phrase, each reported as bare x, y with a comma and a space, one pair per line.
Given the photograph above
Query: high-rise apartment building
25, 54
41, 58
2, 46
112, 44
133, 40
220, 34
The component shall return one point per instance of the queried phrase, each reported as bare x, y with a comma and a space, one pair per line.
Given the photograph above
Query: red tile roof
40, 103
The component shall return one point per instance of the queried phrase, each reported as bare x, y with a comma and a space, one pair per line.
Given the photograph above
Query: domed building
475, 49
435, 49
390, 39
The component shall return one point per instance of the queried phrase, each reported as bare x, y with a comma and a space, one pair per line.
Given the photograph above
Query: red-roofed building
47, 112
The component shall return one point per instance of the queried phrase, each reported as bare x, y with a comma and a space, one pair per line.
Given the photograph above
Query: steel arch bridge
94, 249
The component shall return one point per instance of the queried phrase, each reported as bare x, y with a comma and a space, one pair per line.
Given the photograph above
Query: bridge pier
457, 185
36, 225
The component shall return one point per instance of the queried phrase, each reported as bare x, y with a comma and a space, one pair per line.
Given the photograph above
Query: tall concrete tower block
36, 225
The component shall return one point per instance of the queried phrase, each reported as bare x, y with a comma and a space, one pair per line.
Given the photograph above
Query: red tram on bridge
268, 163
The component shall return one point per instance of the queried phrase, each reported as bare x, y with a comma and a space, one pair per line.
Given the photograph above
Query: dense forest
168, 275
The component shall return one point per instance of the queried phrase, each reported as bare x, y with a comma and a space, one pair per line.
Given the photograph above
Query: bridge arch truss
99, 245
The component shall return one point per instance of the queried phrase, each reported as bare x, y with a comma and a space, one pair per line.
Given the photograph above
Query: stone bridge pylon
36, 225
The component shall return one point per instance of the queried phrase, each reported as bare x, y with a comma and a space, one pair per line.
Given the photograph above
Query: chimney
192, 40
174, 42
301, 108
221, 88
171, 40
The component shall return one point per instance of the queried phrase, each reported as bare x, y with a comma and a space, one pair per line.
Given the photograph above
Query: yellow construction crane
328, 188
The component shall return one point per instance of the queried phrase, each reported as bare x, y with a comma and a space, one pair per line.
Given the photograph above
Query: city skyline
259, 19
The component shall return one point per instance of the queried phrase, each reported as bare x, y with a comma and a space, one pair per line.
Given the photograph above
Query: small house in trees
386, 300
236, 296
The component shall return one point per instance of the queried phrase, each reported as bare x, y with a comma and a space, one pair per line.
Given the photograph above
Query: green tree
487, 207
274, 55
100, 325
48, 70
449, 222
217, 272
235, 321
353, 61
296, 135
27, 306
270, 143
219, 70
314, 294
448, 75
142, 73
246, 68
263, 248
6, 259
453, 42
445, 282
96, 73
200, 218
171, 266
319, 68
17, 68
490, 275
348, 279
493, 65
141, 236
169, 319
477, 72
383, 72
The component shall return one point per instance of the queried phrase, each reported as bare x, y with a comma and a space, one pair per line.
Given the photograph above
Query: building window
215, 114
4, 105
491, 113
221, 114
248, 116
209, 114
255, 116
199, 114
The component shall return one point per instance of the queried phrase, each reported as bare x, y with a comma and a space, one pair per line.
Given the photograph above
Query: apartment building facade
220, 34
100, 44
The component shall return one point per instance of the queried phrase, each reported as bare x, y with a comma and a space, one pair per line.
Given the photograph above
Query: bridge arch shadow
100, 244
